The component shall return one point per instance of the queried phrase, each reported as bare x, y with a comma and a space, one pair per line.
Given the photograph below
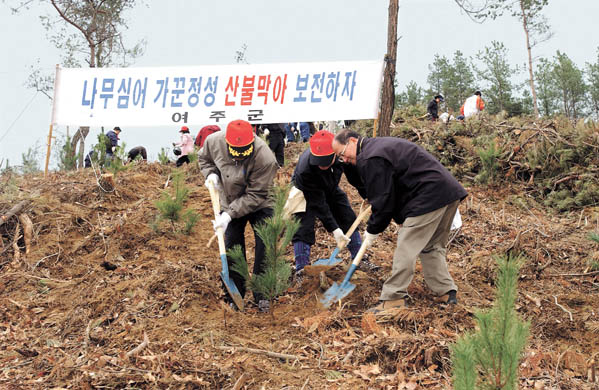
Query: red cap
321, 148
239, 133
240, 139
184, 129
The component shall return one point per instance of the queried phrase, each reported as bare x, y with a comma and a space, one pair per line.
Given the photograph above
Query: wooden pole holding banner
52, 120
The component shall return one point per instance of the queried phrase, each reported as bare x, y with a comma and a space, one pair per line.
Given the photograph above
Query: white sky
194, 32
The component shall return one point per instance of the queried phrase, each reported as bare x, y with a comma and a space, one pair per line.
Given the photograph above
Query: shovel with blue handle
333, 259
339, 291
224, 275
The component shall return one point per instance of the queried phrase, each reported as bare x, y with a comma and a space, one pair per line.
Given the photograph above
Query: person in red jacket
205, 132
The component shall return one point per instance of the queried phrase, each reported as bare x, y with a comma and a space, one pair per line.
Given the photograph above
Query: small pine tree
117, 163
593, 263
170, 207
67, 159
99, 155
30, 160
276, 232
163, 156
488, 358
490, 167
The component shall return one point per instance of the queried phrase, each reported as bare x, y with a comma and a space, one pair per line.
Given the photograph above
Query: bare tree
388, 97
535, 25
87, 32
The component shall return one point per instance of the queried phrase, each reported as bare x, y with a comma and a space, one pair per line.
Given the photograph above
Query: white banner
199, 95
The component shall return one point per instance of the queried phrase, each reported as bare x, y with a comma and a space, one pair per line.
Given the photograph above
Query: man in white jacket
473, 105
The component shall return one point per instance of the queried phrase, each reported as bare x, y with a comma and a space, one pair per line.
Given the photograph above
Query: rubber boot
301, 250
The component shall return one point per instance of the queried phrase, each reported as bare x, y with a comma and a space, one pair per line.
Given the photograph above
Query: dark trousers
342, 212
276, 144
182, 160
235, 236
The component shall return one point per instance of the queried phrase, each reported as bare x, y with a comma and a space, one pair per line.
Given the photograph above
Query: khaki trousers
425, 236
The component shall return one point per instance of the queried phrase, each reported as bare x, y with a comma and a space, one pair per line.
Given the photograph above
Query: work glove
342, 239
113, 149
369, 238
266, 132
214, 179
286, 141
221, 221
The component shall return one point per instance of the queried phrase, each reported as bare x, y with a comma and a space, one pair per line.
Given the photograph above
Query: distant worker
137, 151
275, 132
472, 106
186, 146
433, 108
290, 132
112, 142
205, 132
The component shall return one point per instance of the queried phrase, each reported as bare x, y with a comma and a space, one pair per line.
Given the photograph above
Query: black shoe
449, 298
367, 266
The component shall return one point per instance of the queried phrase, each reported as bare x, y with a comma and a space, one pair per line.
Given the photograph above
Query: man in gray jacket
242, 167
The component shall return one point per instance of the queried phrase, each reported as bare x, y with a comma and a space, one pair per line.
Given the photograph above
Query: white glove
369, 238
214, 179
286, 141
222, 221
266, 132
342, 239
113, 149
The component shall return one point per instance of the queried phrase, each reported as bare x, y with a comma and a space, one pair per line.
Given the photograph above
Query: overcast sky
208, 32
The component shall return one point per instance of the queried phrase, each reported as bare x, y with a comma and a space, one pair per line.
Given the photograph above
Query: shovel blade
232, 290
336, 292
230, 284
331, 261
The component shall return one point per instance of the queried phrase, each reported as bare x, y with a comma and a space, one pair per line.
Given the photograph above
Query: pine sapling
170, 207
488, 358
276, 232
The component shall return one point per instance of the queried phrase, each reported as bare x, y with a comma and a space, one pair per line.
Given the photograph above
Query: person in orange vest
473, 105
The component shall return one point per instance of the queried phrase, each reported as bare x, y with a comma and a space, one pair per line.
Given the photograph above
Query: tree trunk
388, 98
79, 137
530, 70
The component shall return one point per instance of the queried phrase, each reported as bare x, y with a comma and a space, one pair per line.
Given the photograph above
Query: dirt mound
104, 301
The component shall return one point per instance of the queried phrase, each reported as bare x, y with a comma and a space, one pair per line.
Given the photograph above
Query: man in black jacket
276, 140
317, 175
433, 108
404, 182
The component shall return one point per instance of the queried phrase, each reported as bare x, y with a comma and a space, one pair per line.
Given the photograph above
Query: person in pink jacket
186, 146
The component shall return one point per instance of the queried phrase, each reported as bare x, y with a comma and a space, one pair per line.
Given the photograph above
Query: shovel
334, 260
339, 291
224, 275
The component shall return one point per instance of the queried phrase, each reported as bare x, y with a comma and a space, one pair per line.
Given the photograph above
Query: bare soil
104, 301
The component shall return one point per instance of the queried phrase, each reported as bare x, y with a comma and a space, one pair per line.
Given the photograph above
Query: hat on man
240, 138
184, 129
440, 97
116, 128
321, 148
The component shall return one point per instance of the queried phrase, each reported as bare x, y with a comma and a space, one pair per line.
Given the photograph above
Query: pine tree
170, 207
488, 358
276, 232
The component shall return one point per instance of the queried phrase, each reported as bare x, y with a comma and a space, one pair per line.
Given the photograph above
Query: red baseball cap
184, 129
321, 148
240, 138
